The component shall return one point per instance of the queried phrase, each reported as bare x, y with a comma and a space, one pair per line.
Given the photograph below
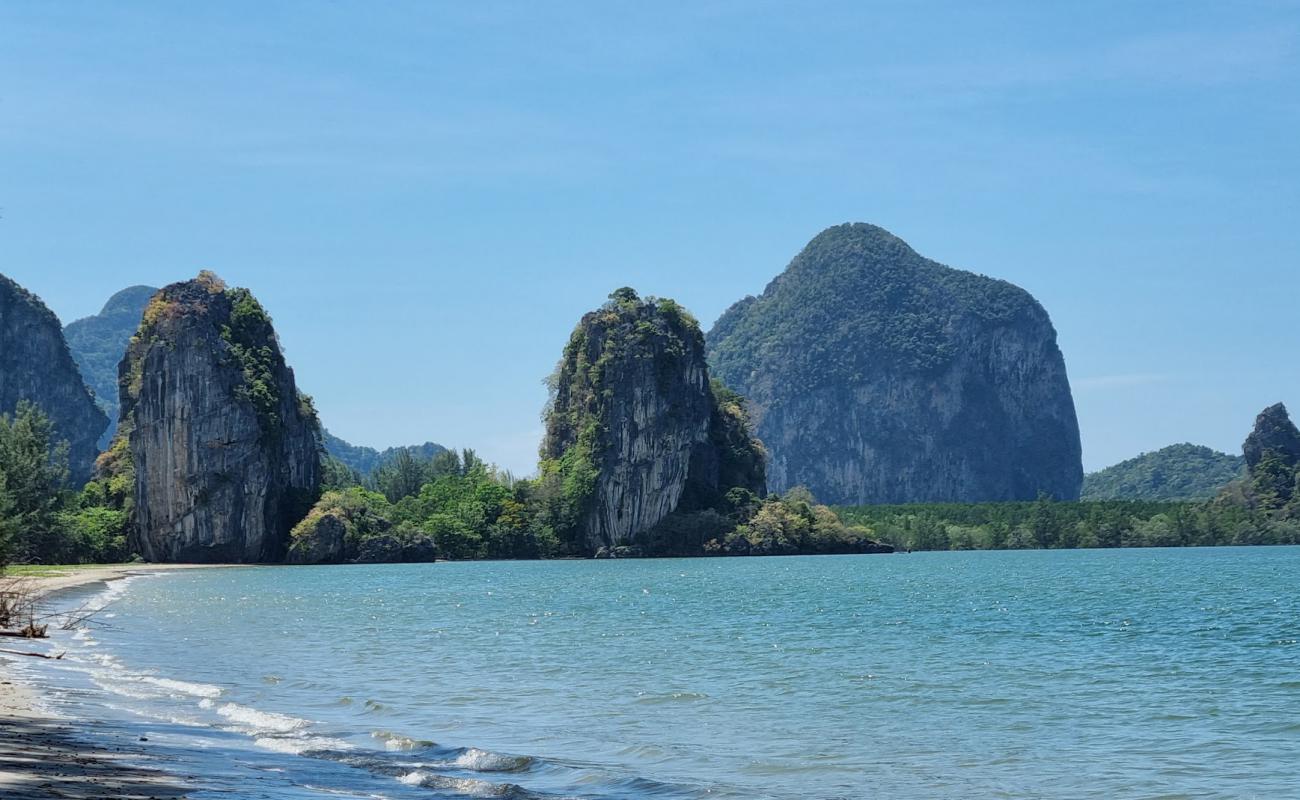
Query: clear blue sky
427, 196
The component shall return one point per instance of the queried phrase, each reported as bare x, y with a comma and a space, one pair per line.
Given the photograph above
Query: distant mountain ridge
365, 460
98, 342
1177, 472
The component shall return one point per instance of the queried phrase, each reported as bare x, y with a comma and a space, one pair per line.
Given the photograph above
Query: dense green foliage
787, 525
99, 342
252, 338
1051, 525
1177, 472
41, 520
469, 509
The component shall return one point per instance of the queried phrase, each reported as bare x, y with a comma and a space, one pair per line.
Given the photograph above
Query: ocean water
1107, 674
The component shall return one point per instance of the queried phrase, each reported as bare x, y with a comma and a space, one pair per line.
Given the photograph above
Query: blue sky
427, 196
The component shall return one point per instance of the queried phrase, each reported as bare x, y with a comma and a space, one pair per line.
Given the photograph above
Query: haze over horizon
426, 220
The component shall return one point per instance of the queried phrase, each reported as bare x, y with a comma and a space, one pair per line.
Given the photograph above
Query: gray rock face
879, 376
224, 450
388, 549
633, 401
99, 342
35, 365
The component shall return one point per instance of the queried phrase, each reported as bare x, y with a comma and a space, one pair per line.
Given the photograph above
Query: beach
46, 755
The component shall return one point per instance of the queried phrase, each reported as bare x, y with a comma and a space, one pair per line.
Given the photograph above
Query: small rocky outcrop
99, 342
878, 376
349, 525
636, 431
389, 549
36, 366
318, 540
222, 447
1272, 452
1274, 433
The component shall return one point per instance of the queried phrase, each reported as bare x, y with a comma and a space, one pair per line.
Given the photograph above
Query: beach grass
51, 570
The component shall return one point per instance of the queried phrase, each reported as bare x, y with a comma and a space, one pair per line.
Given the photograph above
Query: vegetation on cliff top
875, 303
605, 357
1177, 472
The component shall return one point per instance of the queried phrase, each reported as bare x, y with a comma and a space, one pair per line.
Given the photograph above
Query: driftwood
33, 655
26, 633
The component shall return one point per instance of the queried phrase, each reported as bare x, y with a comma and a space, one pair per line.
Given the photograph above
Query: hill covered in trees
875, 375
98, 343
1177, 472
365, 460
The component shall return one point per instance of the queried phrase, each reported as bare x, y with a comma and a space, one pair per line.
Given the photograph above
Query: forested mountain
365, 460
98, 343
878, 376
1177, 472
36, 367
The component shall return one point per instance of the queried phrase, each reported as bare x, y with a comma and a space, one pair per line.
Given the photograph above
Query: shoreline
47, 755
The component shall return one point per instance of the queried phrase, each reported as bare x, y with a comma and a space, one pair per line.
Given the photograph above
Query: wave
472, 787
205, 690
302, 745
484, 761
395, 741
251, 720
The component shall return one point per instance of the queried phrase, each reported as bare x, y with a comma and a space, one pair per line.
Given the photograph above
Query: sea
1145, 673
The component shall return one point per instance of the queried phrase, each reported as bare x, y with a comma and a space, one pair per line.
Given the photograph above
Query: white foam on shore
297, 745
205, 690
255, 721
467, 786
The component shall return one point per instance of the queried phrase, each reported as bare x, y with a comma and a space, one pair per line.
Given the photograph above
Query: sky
427, 196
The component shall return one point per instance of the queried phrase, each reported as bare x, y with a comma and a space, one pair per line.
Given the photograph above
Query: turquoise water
1135, 673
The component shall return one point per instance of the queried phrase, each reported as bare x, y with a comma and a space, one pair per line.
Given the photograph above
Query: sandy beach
44, 755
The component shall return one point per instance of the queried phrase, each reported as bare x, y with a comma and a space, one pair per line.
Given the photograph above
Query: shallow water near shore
1133, 673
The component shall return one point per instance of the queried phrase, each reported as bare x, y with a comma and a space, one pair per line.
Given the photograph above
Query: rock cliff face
879, 376
98, 343
636, 431
224, 450
35, 365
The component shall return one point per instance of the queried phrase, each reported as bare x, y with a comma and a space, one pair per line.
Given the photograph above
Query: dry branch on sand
22, 604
